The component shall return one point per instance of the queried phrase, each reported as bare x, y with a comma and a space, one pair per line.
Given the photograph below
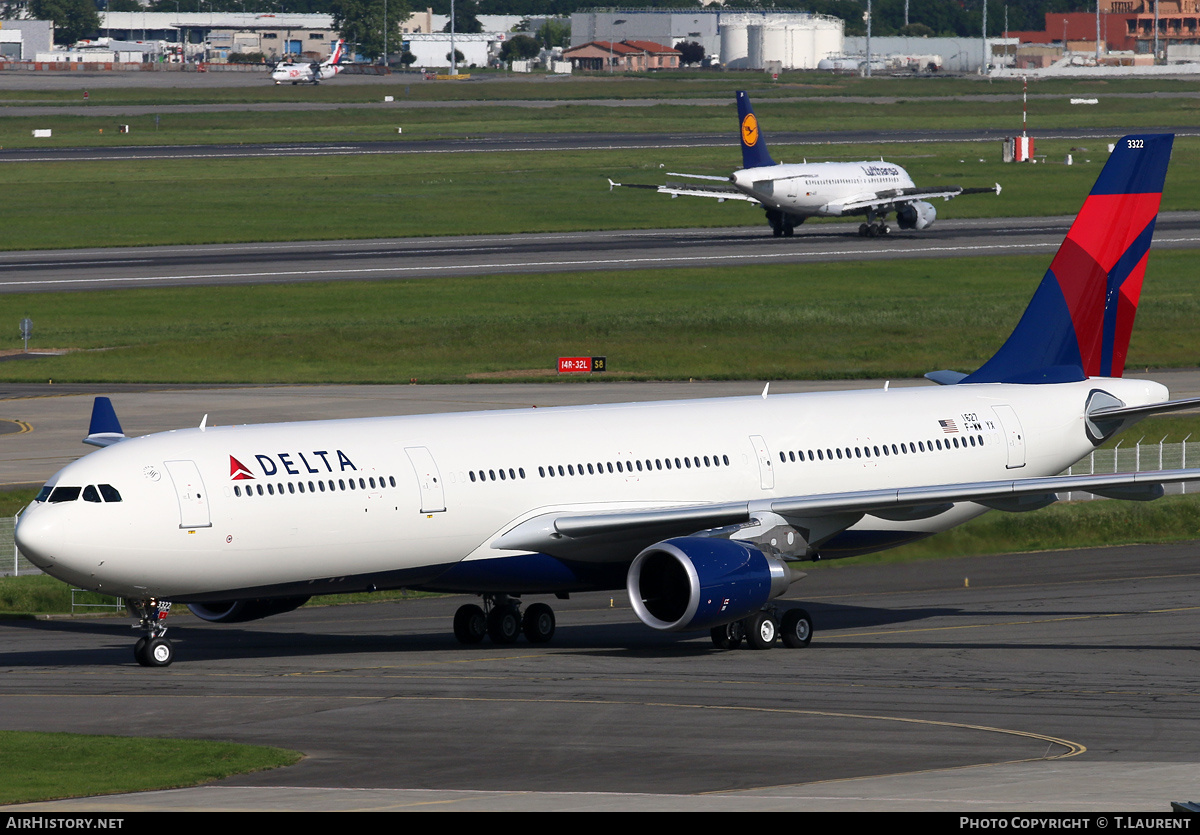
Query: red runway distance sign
581, 365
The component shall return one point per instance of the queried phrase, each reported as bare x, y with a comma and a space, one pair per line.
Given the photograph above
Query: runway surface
1063, 681
399, 258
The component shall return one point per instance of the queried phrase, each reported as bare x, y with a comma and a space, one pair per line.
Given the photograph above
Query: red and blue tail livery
1079, 322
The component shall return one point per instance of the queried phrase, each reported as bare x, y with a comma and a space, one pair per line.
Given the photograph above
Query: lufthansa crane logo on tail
749, 131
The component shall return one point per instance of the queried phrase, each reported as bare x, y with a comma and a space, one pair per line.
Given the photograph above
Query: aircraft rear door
433, 499
1013, 434
189, 489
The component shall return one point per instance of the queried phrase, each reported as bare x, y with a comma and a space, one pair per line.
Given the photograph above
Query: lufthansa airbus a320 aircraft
793, 192
705, 510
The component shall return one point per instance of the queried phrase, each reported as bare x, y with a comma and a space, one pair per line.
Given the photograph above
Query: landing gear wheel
157, 652
727, 636
797, 629
470, 624
884, 230
139, 650
864, 230
788, 231
761, 631
504, 624
777, 231
538, 623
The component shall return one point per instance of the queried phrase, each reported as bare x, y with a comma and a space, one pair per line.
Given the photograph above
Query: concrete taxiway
1045, 682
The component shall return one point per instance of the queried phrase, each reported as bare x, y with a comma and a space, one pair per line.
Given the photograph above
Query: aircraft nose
38, 538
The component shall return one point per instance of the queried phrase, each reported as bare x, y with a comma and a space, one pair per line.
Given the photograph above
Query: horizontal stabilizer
945, 377
104, 428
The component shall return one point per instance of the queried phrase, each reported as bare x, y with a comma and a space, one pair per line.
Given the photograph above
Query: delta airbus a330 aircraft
704, 510
792, 193
313, 73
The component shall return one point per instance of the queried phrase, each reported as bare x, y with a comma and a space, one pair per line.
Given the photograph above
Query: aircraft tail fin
754, 146
336, 54
1080, 319
104, 428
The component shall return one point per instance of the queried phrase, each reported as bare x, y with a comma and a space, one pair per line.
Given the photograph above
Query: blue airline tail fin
104, 429
754, 146
1080, 319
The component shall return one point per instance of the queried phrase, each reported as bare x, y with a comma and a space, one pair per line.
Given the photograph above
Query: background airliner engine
917, 215
698, 582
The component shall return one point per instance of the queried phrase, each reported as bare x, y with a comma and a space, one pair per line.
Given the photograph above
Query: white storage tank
734, 45
793, 41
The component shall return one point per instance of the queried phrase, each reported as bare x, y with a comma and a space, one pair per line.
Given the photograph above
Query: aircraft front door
433, 499
189, 490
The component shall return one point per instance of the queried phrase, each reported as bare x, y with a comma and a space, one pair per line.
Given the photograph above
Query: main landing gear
762, 629
152, 649
501, 619
875, 227
782, 225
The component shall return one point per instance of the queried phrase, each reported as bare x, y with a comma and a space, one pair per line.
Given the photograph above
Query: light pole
983, 57
868, 19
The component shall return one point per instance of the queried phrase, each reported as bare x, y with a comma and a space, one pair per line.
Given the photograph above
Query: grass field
380, 123
839, 320
45, 766
83, 204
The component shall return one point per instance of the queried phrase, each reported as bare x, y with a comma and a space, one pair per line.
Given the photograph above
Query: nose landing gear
152, 649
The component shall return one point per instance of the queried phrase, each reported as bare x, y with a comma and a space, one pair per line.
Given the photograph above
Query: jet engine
697, 582
240, 611
917, 215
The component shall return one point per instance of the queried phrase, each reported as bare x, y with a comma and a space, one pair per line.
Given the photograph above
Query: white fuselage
407, 497
303, 73
819, 189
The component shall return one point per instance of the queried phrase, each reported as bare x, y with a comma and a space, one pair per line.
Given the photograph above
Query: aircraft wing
892, 197
590, 536
721, 189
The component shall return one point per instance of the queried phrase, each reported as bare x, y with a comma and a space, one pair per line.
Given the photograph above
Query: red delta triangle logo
238, 471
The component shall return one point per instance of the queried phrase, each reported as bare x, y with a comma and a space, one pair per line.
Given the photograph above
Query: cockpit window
109, 493
90, 494
43, 494
64, 494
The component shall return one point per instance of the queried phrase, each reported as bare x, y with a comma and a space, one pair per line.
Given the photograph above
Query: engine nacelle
240, 611
697, 582
918, 215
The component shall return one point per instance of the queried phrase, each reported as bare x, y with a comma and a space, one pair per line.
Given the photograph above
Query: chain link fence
1136, 458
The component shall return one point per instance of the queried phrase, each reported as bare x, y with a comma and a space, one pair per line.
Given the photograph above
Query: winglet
754, 146
1080, 319
104, 429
